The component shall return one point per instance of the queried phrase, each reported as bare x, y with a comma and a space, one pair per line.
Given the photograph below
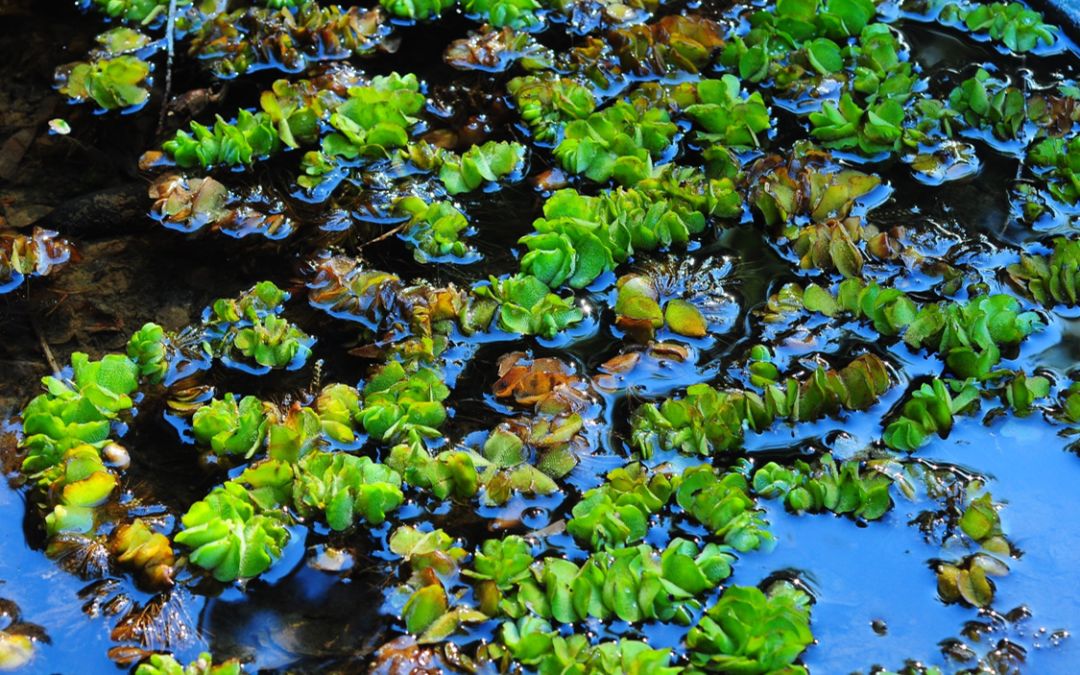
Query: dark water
300, 618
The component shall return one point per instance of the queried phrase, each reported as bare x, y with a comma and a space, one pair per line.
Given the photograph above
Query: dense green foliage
546, 457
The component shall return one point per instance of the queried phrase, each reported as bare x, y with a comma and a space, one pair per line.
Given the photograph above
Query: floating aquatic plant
505, 468
434, 229
840, 488
1049, 279
547, 385
252, 326
638, 311
148, 348
753, 631
985, 101
609, 105
805, 185
338, 407
838, 245
810, 26
136, 11
416, 9
149, 552
231, 537
515, 14
249, 138
346, 487
192, 204
1022, 391
1019, 28
400, 404
231, 427
533, 642
255, 38
528, 307
448, 474
727, 116
1060, 159
165, 664
847, 125
77, 410
611, 584
481, 164
497, 50
37, 255
930, 409
670, 45
722, 503
968, 580
968, 334
617, 513
547, 103
620, 142
375, 119
709, 420
114, 77
580, 238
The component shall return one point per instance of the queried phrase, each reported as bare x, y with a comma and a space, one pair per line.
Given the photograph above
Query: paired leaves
638, 311
230, 536
930, 410
345, 487
528, 307
548, 103
827, 487
617, 142
709, 420
727, 115
1051, 279
480, 164
750, 631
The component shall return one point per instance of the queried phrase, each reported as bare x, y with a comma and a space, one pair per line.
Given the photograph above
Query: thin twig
169, 49
45, 347
385, 235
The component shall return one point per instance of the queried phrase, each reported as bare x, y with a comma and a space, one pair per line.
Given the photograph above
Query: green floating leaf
1020, 28
546, 104
166, 664
617, 142
434, 230
1052, 279
424, 607
721, 502
727, 115
230, 427
632, 584
112, 83
229, 537
708, 420
840, 489
930, 410
416, 9
516, 14
617, 513
751, 631
346, 488
480, 164
403, 405
986, 102
528, 307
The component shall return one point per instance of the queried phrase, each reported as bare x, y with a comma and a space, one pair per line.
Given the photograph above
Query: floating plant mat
584, 336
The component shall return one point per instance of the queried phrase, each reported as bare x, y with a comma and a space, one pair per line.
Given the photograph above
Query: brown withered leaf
403, 656
617, 371
545, 384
